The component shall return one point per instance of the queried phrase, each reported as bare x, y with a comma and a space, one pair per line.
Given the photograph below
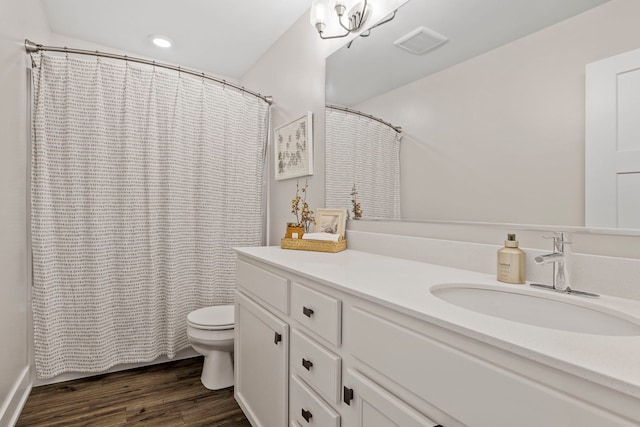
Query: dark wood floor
169, 394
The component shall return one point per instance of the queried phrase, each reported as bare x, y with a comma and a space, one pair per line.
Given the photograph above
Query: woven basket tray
313, 245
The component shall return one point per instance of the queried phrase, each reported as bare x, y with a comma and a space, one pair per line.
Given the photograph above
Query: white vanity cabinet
309, 318
352, 360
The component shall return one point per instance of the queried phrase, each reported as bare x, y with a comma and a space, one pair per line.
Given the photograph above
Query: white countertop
613, 361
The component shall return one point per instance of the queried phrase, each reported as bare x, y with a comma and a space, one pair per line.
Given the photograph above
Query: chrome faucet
561, 260
560, 257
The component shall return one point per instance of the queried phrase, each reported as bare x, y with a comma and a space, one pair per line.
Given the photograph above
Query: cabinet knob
306, 415
277, 338
307, 364
307, 311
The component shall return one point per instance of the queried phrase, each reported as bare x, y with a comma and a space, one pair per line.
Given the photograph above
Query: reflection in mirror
362, 164
493, 119
612, 144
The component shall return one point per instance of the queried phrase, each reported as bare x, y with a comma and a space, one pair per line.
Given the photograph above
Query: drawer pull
277, 338
307, 311
347, 395
306, 415
307, 364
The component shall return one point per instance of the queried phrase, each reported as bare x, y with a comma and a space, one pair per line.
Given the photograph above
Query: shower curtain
364, 152
142, 181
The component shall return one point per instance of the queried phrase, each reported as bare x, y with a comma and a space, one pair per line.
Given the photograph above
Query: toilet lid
219, 315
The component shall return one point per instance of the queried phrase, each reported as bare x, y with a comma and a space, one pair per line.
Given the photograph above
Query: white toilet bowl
210, 332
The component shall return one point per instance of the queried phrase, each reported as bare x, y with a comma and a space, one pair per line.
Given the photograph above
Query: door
612, 142
376, 407
261, 364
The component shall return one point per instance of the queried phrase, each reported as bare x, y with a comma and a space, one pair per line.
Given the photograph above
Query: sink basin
537, 310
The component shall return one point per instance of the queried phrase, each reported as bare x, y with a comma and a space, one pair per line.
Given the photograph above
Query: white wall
292, 71
500, 137
18, 20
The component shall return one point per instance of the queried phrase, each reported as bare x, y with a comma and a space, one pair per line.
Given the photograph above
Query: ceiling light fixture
368, 32
161, 41
356, 16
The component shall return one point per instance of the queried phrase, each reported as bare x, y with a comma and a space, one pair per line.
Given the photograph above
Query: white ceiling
227, 37
373, 65
222, 37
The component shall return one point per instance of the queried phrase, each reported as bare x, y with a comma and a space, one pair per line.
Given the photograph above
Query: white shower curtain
142, 181
364, 152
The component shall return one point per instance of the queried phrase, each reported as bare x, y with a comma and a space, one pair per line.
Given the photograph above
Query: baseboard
13, 404
182, 354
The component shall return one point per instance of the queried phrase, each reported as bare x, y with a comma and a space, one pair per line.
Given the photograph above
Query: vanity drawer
316, 365
267, 286
320, 313
308, 409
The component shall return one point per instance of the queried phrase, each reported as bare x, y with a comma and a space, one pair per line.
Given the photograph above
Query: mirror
492, 119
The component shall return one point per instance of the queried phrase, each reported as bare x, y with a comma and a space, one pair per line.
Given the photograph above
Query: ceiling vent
421, 40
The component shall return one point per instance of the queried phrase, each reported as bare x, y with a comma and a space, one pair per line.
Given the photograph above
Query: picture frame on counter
333, 221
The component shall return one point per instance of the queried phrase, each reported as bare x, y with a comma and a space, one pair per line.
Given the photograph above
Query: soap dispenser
512, 262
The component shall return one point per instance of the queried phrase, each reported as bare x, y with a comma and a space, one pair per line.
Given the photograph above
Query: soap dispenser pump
512, 262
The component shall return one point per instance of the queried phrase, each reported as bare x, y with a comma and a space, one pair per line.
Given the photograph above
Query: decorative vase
294, 231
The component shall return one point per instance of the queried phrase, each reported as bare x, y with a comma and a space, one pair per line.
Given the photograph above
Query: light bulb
319, 12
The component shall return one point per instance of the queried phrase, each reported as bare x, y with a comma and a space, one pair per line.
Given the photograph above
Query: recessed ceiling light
161, 41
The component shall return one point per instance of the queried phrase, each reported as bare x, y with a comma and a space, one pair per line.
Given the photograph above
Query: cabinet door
377, 407
261, 364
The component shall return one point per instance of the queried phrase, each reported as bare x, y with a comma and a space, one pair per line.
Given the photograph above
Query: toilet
210, 332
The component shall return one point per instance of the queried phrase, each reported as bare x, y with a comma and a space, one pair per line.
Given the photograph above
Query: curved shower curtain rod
32, 47
369, 116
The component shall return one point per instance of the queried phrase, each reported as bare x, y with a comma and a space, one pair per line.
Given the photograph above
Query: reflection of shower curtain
142, 180
366, 153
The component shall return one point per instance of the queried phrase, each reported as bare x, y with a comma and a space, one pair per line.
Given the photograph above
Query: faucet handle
558, 237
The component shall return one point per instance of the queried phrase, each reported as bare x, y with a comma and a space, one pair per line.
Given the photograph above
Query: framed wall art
294, 148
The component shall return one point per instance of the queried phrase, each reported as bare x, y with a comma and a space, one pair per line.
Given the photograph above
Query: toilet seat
214, 318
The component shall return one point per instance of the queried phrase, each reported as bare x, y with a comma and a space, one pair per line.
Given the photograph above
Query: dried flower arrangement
304, 215
357, 211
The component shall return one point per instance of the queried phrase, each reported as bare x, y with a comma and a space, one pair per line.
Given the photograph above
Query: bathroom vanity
357, 339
